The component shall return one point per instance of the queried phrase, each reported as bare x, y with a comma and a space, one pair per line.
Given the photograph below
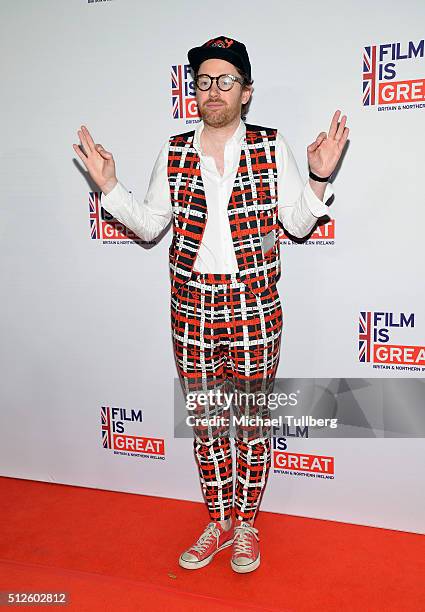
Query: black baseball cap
224, 48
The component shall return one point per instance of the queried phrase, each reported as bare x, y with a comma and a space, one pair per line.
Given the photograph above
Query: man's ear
246, 93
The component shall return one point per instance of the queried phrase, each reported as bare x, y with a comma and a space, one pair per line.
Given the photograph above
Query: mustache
214, 102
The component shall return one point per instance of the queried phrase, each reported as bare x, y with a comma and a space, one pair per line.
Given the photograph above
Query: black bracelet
318, 178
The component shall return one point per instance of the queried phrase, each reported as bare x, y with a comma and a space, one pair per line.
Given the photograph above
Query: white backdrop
85, 320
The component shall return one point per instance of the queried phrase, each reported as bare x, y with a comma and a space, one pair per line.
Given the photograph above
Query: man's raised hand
323, 154
99, 162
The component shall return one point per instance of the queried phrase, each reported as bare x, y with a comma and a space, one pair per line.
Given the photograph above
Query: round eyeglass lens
203, 82
225, 82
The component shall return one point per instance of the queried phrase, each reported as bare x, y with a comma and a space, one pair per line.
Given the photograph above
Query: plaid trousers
226, 337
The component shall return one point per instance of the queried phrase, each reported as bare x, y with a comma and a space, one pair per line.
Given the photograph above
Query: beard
218, 117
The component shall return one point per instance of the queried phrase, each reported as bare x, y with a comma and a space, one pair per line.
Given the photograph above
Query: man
226, 186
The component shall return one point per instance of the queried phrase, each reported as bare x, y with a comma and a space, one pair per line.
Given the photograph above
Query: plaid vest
252, 209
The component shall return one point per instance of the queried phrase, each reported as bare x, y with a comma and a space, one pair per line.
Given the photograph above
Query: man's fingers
83, 143
344, 137
334, 124
79, 153
321, 137
341, 126
88, 136
103, 152
87, 148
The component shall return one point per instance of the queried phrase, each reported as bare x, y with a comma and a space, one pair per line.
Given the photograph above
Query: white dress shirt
299, 207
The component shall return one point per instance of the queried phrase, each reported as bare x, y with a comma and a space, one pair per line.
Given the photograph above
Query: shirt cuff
318, 207
116, 196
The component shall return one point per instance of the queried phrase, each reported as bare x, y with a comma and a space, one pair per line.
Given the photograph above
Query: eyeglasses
225, 82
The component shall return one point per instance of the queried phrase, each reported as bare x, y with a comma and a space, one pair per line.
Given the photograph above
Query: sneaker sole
191, 565
244, 569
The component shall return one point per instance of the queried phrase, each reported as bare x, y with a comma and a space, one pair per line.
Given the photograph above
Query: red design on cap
219, 42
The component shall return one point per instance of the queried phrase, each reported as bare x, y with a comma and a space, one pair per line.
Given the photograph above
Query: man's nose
214, 89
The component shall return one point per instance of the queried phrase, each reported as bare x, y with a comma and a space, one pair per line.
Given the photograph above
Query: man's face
220, 108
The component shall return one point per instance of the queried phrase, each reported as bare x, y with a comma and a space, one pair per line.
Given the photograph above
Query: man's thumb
102, 151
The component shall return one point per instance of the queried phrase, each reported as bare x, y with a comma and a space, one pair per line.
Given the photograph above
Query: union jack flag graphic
95, 208
106, 427
177, 91
369, 75
182, 92
365, 336
103, 225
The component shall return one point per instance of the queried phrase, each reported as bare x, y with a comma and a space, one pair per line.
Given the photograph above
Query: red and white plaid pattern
214, 461
226, 337
227, 327
252, 208
253, 460
222, 331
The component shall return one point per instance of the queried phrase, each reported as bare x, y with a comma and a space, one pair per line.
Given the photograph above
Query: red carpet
118, 551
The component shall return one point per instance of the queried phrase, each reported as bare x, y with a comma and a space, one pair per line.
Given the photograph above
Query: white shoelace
242, 542
210, 532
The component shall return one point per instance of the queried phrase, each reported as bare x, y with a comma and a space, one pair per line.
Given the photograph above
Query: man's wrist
108, 186
319, 179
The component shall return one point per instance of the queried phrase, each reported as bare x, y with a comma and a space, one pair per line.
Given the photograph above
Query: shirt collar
237, 136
